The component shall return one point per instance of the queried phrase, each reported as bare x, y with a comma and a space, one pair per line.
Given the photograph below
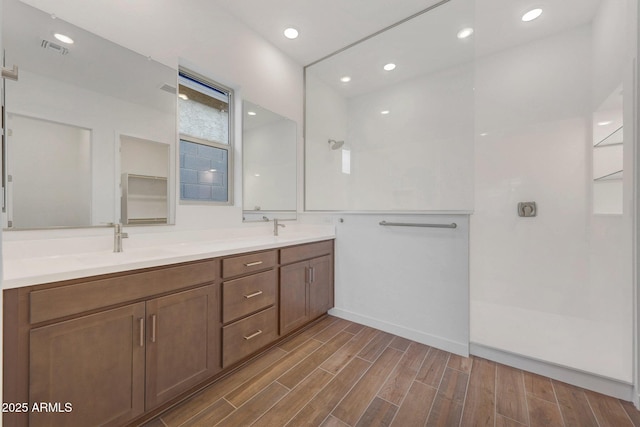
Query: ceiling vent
46, 44
168, 88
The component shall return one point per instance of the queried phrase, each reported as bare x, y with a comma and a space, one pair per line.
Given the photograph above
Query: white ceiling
329, 25
325, 25
92, 62
425, 44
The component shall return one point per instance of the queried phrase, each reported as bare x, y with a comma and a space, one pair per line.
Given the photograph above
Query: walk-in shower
469, 127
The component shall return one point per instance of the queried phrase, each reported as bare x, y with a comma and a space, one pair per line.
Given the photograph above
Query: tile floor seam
411, 385
495, 395
515, 421
382, 385
624, 411
239, 407
317, 366
555, 395
526, 400
433, 402
466, 392
595, 417
349, 391
309, 400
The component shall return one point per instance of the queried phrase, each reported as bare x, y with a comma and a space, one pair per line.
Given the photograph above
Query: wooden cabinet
249, 305
115, 365
182, 347
118, 346
95, 363
320, 286
306, 287
294, 296
244, 337
248, 295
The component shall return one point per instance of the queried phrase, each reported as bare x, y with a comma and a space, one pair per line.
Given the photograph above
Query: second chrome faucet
276, 224
118, 235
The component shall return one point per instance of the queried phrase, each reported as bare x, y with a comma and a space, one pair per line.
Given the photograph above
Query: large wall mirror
389, 121
91, 128
269, 164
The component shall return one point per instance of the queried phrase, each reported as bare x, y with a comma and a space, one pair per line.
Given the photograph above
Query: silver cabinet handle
251, 264
255, 294
253, 335
141, 324
313, 274
153, 328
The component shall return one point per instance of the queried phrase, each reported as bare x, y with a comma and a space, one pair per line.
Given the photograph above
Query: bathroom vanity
110, 348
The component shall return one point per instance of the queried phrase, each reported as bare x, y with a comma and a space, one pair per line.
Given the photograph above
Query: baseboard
411, 334
609, 386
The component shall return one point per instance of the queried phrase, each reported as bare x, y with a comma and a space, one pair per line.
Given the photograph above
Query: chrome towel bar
409, 224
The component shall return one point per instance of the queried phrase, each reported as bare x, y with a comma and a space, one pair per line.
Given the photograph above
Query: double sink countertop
36, 261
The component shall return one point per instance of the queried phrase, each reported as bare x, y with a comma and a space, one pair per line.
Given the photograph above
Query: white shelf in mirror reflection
614, 138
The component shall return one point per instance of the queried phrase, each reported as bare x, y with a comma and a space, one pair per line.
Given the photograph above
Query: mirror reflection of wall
52, 177
269, 164
91, 84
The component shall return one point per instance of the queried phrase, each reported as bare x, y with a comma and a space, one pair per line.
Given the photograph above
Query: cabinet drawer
244, 337
48, 304
247, 295
238, 265
302, 252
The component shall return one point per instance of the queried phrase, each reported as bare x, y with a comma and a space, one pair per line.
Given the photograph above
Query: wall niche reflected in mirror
608, 155
67, 116
269, 164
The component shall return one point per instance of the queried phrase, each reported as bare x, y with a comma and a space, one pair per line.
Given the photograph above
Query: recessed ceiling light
291, 33
531, 15
257, 174
390, 66
251, 113
183, 96
605, 123
212, 170
63, 38
464, 33
345, 79
484, 134
384, 112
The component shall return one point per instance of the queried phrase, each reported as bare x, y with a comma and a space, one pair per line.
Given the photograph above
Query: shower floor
599, 348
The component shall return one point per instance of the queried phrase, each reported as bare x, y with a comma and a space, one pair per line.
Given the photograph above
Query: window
205, 117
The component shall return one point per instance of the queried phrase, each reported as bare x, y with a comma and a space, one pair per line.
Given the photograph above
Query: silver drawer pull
253, 335
141, 324
255, 294
153, 328
251, 264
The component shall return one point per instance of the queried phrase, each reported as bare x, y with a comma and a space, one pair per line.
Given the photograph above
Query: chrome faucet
118, 235
276, 225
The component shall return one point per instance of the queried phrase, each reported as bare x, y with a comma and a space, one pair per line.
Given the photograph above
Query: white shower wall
416, 157
557, 287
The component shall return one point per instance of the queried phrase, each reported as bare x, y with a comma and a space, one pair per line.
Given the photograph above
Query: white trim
611, 387
459, 348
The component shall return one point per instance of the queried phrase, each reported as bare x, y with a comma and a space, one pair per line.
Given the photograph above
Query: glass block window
204, 172
205, 143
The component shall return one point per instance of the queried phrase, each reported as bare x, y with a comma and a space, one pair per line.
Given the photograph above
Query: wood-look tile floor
338, 373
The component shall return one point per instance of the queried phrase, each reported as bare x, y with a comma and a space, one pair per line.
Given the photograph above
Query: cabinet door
320, 286
294, 307
95, 363
182, 342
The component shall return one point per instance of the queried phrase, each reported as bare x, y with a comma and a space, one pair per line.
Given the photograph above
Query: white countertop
43, 261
